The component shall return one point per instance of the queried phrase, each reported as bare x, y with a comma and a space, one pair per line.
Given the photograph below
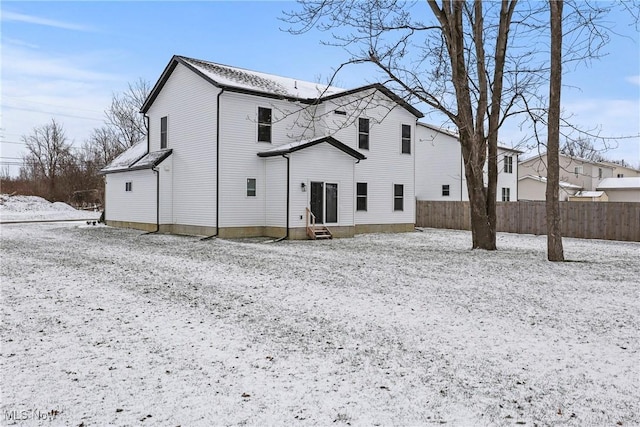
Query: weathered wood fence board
588, 220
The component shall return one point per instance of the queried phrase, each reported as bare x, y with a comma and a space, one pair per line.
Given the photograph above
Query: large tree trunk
554, 232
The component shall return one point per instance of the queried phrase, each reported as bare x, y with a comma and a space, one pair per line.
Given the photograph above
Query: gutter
286, 236
217, 167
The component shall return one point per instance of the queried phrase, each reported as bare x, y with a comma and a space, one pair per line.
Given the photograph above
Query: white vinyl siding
190, 102
137, 205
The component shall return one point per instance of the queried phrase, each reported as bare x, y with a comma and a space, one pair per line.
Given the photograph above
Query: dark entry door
317, 200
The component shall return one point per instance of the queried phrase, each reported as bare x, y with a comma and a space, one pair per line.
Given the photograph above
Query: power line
52, 105
52, 113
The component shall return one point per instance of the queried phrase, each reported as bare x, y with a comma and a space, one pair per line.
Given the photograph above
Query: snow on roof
573, 158
261, 82
129, 157
150, 160
589, 194
630, 183
563, 184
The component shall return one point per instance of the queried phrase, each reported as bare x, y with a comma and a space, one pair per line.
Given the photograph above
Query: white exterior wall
631, 195
507, 180
438, 163
275, 190
385, 164
166, 190
137, 205
321, 163
239, 147
189, 102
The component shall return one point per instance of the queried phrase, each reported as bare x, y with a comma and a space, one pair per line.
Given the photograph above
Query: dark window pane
264, 133
398, 197
163, 132
332, 202
363, 134
264, 115
445, 190
251, 187
361, 196
406, 131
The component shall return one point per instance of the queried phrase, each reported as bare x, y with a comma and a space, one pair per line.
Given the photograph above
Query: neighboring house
622, 171
583, 173
621, 189
532, 187
440, 167
234, 153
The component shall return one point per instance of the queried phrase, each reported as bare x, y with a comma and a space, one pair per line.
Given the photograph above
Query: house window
577, 170
264, 124
163, 132
508, 164
506, 194
599, 173
127, 186
398, 197
445, 190
406, 139
361, 196
363, 134
340, 112
620, 175
251, 187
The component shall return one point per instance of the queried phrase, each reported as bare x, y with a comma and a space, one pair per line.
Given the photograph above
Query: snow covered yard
109, 326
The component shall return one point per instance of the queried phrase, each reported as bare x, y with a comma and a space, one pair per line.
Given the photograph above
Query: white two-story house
234, 153
440, 167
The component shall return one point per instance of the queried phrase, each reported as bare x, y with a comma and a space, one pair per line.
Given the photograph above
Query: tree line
55, 169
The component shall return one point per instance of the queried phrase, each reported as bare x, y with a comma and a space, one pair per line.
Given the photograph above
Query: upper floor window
406, 139
508, 164
620, 175
445, 190
163, 132
506, 194
578, 170
363, 134
398, 197
251, 187
599, 173
128, 186
264, 124
361, 196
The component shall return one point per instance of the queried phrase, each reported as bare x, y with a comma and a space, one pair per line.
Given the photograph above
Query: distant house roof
589, 194
579, 159
563, 184
452, 133
631, 183
263, 84
300, 145
136, 158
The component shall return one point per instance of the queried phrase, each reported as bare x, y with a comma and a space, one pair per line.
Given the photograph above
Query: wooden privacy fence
588, 220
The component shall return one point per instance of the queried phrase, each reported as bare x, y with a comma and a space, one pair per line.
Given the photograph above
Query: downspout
286, 236
217, 167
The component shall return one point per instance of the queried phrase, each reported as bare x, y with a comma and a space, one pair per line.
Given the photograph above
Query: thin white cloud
36, 20
635, 80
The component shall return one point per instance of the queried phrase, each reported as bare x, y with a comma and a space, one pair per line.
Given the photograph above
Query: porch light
303, 186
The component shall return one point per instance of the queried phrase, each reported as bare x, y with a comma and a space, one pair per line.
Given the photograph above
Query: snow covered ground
109, 326
33, 208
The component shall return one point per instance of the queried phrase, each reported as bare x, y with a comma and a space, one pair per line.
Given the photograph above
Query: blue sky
66, 59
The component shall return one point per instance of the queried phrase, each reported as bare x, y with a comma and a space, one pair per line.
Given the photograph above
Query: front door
324, 202
317, 201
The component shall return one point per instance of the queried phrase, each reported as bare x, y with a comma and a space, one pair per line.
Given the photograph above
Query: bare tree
124, 123
477, 63
455, 65
583, 148
48, 152
554, 225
